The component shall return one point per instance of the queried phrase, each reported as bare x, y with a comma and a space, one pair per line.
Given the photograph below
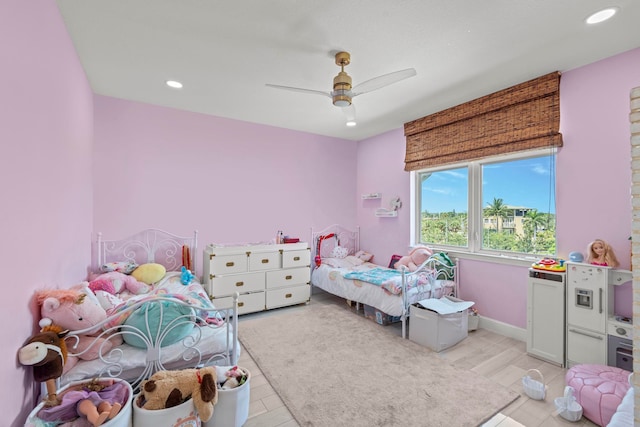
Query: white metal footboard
425, 278
190, 351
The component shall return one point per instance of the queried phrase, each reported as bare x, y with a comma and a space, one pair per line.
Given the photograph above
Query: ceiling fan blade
382, 81
297, 89
349, 113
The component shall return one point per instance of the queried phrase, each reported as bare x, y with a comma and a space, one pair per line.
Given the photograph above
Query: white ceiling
224, 52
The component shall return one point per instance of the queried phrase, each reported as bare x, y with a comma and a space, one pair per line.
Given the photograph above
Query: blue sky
524, 183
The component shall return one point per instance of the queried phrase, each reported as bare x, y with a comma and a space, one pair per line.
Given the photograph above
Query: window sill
495, 259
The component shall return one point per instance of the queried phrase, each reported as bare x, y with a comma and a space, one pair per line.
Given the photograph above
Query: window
494, 205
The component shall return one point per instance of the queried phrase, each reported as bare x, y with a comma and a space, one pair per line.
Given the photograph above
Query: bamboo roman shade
522, 117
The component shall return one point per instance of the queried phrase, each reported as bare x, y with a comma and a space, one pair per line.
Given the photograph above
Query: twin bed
176, 325
346, 272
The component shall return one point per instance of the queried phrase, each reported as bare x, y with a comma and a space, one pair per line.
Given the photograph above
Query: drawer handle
230, 264
288, 277
240, 304
265, 261
288, 296
575, 331
238, 284
296, 258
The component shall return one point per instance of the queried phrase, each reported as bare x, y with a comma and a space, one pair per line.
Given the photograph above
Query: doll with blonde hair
601, 253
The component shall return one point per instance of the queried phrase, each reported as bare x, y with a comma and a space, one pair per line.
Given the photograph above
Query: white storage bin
232, 409
123, 419
183, 415
437, 331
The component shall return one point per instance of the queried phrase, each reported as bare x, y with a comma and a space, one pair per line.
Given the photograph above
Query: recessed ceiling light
602, 15
351, 123
174, 84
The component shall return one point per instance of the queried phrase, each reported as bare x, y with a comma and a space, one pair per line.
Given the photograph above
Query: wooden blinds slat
522, 117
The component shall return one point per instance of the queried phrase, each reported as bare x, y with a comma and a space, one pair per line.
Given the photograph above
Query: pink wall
45, 165
381, 170
593, 187
232, 181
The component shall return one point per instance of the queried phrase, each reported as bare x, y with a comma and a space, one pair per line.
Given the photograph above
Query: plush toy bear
76, 309
166, 389
416, 256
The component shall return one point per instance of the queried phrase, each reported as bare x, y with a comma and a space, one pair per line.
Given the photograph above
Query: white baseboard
503, 328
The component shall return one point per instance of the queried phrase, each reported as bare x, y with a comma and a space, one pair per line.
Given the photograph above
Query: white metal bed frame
350, 239
154, 245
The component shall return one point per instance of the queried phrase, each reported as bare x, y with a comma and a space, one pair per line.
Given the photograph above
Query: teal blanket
377, 276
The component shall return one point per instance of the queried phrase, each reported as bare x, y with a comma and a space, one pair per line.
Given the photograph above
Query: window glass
444, 207
505, 205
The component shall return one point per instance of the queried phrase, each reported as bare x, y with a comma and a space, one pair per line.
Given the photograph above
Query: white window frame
475, 219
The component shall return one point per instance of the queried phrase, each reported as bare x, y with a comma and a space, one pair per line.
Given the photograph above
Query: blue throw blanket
377, 276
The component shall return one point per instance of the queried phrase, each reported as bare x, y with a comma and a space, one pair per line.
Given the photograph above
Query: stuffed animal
77, 309
46, 351
232, 377
416, 256
166, 389
115, 282
186, 276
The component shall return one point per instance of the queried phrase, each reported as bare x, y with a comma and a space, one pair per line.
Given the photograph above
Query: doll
96, 401
600, 253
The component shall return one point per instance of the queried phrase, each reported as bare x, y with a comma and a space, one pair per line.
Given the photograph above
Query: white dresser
265, 276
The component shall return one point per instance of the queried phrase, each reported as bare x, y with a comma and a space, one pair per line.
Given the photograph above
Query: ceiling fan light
351, 123
341, 98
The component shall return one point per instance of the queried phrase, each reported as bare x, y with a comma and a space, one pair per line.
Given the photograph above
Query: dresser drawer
227, 264
260, 261
228, 285
247, 303
288, 296
290, 277
300, 258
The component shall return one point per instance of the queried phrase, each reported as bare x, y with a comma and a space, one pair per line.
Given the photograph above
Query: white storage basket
177, 416
232, 409
123, 419
533, 388
567, 406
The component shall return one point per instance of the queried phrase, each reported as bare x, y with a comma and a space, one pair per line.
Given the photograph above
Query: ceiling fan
343, 92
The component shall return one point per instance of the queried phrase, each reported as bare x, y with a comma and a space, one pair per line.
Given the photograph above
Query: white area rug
332, 367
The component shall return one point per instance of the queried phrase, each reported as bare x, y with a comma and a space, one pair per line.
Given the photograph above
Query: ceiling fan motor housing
341, 90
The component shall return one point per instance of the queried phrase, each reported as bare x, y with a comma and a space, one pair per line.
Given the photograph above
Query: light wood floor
494, 356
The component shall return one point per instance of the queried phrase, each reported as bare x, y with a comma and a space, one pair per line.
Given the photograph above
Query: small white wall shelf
385, 213
370, 196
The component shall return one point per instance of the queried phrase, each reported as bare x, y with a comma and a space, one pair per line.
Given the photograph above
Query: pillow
125, 267
170, 311
149, 273
339, 252
364, 256
348, 262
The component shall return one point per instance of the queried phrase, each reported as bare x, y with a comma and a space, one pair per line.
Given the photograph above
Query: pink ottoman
599, 389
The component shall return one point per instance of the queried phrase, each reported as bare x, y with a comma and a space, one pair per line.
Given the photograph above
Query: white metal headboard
347, 238
150, 245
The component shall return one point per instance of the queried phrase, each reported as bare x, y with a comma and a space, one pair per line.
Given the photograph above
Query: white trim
502, 328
